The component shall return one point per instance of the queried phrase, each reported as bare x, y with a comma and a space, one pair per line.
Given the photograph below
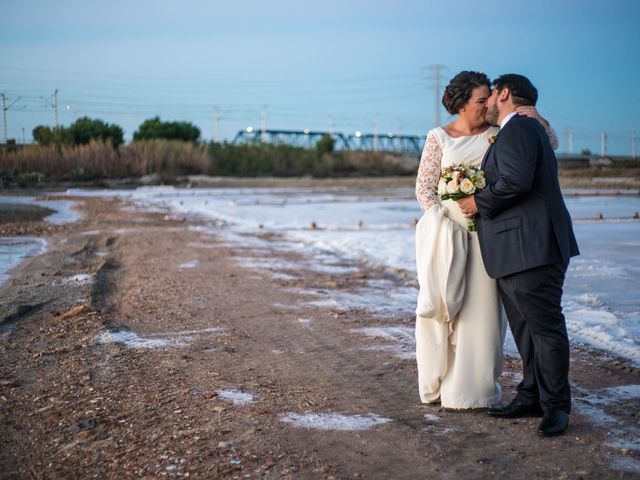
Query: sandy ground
76, 403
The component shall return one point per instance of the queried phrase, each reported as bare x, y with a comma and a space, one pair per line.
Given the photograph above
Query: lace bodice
441, 150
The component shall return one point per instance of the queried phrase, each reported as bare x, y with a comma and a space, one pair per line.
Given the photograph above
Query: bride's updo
459, 90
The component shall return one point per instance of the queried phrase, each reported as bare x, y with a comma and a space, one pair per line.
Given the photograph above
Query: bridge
357, 141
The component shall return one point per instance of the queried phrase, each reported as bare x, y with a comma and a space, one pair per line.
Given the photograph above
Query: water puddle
155, 340
437, 430
133, 340
237, 397
589, 402
334, 421
191, 264
626, 464
79, 278
622, 437
14, 249
402, 337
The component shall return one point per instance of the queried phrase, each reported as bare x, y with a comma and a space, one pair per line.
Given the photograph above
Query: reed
170, 159
99, 160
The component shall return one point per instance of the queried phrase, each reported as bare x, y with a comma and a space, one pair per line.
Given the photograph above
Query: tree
155, 128
325, 145
43, 135
85, 129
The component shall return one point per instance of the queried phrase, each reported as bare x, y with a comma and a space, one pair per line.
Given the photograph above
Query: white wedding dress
459, 358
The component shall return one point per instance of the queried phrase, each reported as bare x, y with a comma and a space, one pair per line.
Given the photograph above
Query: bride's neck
466, 128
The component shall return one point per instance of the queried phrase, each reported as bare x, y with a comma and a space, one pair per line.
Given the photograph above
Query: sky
332, 66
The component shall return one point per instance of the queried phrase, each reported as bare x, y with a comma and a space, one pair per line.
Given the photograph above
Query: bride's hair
459, 90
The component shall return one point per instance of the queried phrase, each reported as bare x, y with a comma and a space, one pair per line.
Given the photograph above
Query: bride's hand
532, 112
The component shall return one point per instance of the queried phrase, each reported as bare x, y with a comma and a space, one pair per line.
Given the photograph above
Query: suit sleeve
516, 165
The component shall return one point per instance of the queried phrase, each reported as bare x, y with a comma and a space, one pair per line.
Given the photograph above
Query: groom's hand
468, 206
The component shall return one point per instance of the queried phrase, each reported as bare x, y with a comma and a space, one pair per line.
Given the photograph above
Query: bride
459, 356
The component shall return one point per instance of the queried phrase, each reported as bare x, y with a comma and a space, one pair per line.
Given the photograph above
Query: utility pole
6, 107
216, 124
398, 134
331, 125
55, 108
263, 124
570, 140
435, 77
633, 144
376, 147
4, 118
603, 144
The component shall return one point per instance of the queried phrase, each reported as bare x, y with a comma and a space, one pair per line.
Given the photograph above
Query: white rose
455, 175
481, 182
466, 185
442, 187
453, 186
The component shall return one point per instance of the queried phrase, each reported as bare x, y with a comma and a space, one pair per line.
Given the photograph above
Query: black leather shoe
555, 422
515, 409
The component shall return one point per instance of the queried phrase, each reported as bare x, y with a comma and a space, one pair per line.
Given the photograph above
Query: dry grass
99, 160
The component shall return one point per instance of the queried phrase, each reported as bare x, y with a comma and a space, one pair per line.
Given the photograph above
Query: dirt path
234, 358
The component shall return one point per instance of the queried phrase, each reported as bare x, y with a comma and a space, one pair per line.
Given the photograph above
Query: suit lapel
486, 155
491, 145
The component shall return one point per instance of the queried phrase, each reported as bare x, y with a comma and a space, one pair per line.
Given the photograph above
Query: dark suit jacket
523, 222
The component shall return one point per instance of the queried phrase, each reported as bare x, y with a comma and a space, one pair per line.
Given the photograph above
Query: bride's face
476, 108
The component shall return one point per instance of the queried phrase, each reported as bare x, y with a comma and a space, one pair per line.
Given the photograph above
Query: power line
208, 81
435, 78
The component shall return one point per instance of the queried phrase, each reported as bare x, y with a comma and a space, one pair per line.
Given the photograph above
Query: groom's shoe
515, 409
554, 423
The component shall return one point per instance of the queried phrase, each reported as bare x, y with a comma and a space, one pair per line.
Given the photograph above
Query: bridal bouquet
459, 181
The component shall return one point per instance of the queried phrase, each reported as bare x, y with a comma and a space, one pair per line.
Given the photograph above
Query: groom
526, 238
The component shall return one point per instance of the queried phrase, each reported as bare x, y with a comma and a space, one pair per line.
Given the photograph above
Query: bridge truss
358, 141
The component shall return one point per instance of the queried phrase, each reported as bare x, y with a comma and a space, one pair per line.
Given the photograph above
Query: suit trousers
532, 301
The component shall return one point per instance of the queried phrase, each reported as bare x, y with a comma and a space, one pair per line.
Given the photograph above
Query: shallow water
60, 211
14, 249
17, 209
601, 301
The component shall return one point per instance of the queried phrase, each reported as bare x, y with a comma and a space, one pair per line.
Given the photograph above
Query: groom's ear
504, 94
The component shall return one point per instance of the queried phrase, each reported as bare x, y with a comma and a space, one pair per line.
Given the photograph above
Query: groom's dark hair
522, 90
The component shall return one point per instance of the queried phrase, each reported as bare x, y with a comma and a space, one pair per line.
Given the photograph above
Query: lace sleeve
532, 112
553, 139
429, 173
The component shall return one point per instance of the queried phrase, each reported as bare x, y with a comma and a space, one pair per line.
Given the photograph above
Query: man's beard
491, 117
